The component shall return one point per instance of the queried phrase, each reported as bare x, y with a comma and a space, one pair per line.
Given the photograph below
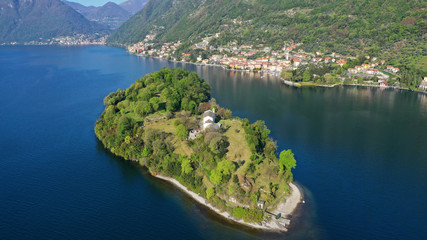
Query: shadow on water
127, 168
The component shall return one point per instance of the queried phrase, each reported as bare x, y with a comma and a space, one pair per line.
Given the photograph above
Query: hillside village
249, 57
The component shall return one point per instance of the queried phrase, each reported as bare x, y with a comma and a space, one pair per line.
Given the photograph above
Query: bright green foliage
210, 192
226, 167
125, 111
181, 132
186, 167
143, 108
127, 139
257, 135
329, 78
216, 176
223, 172
155, 103
287, 75
125, 125
146, 152
248, 215
306, 76
287, 160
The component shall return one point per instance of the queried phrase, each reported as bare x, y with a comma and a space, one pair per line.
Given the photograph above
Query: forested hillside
391, 29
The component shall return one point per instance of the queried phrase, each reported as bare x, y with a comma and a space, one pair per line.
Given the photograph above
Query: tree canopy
287, 160
181, 132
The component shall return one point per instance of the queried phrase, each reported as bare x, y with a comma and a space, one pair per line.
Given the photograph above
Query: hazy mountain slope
159, 16
133, 6
27, 20
110, 14
84, 10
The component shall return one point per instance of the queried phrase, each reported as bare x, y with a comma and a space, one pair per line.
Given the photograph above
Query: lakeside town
77, 39
291, 62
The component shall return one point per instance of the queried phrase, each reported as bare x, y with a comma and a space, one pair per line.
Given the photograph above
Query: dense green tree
143, 108
146, 152
155, 103
186, 167
124, 127
181, 132
287, 75
210, 192
306, 76
216, 176
227, 167
329, 78
287, 160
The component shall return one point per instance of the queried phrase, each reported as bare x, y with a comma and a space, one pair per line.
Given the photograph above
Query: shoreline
286, 207
289, 83
292, 84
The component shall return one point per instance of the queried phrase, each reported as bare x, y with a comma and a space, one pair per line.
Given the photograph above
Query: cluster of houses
392, 69
241, 57
263, 63
272, 61
368, 71
76, 39
146, 48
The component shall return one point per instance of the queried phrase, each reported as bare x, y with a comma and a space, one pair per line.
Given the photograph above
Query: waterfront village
77, 39
260, 58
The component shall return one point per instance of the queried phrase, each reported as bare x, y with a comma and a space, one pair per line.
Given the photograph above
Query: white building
423, 84
209, 120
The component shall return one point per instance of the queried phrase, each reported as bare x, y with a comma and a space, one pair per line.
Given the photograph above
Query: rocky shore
286, 207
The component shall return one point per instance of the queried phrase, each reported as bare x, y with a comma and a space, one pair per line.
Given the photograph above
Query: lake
361, 154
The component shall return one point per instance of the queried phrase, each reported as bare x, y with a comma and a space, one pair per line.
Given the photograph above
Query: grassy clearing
163, 125
160, 114
239, 148
166, 125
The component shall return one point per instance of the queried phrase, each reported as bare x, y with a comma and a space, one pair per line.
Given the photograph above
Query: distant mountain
110, 14
133, 6
28, 20
84, 10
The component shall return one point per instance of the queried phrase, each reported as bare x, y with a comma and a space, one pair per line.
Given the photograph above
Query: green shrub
247, 214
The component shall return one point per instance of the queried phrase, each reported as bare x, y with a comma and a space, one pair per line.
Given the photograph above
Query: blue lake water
361, 154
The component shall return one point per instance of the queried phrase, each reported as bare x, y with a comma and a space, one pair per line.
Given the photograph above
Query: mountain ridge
133, 6
110, 14
24, 21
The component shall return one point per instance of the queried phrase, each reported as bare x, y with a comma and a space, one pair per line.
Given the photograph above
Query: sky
96, 2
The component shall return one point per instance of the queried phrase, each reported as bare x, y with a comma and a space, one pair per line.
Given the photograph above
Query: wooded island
167, 122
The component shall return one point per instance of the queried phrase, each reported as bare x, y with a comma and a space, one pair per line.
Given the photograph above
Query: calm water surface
361, 154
